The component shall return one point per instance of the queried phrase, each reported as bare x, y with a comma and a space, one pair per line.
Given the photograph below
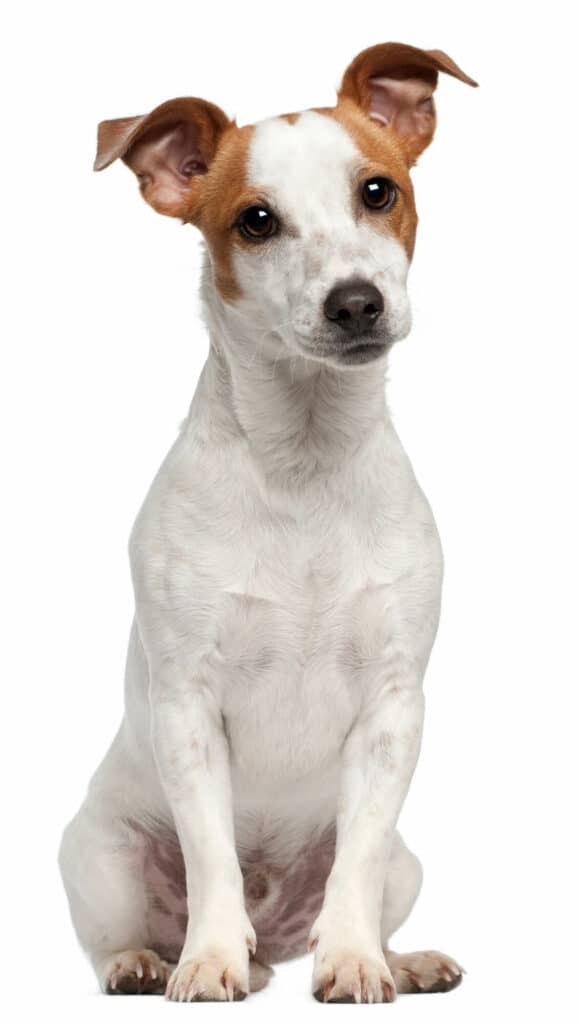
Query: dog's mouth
358, 351
361, 352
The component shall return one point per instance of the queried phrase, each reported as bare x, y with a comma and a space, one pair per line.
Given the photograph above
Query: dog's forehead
305, 159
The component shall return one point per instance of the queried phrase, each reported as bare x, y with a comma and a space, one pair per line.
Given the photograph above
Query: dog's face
309, 218
319, 236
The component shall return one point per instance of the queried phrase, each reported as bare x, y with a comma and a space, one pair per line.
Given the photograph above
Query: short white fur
287, 574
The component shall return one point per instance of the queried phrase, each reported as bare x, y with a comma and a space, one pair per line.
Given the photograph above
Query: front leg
378, 762
192, 754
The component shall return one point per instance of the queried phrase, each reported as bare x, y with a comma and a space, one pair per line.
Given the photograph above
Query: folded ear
166, 149
394, 84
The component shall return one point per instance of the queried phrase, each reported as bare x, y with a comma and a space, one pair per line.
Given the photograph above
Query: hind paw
428, 971
136, 972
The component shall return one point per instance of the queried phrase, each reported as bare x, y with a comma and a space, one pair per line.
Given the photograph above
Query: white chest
300, 639
293, 615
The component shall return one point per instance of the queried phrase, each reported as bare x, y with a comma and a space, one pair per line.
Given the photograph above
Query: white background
101, 353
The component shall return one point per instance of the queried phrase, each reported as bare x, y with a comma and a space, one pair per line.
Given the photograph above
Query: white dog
286, 569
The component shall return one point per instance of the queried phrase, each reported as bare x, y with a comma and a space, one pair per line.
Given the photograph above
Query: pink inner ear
406, 104
164, 161
174, 151
183, 153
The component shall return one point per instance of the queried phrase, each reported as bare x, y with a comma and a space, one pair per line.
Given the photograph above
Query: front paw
212, 977
346, 976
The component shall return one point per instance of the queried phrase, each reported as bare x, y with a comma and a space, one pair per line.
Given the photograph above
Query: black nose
354, 306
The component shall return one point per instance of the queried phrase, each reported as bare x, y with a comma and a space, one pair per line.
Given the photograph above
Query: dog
286, 568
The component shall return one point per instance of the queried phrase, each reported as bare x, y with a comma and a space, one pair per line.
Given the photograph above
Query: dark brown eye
257, 223
379, 193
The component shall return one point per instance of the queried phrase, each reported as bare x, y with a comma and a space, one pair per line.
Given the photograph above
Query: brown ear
166, 149
394, 84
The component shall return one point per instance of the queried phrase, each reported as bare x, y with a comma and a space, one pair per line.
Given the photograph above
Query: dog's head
309, 218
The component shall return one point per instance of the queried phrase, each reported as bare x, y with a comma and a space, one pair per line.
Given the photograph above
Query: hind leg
127, 895
101, 860
426, 971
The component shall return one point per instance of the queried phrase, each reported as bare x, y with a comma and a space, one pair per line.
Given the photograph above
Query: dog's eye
256, 223
379, 193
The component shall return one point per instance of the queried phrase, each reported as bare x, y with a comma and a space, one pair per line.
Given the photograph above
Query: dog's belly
284, 899
284, 891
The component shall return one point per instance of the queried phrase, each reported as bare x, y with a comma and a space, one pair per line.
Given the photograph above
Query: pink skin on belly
282, 902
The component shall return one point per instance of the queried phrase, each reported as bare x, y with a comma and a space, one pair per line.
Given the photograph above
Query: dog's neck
299, 418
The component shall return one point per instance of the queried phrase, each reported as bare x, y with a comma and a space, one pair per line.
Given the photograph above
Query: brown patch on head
217, 206
290, 118
191, 161
393, 84
385, 103
169, 149
383, 157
